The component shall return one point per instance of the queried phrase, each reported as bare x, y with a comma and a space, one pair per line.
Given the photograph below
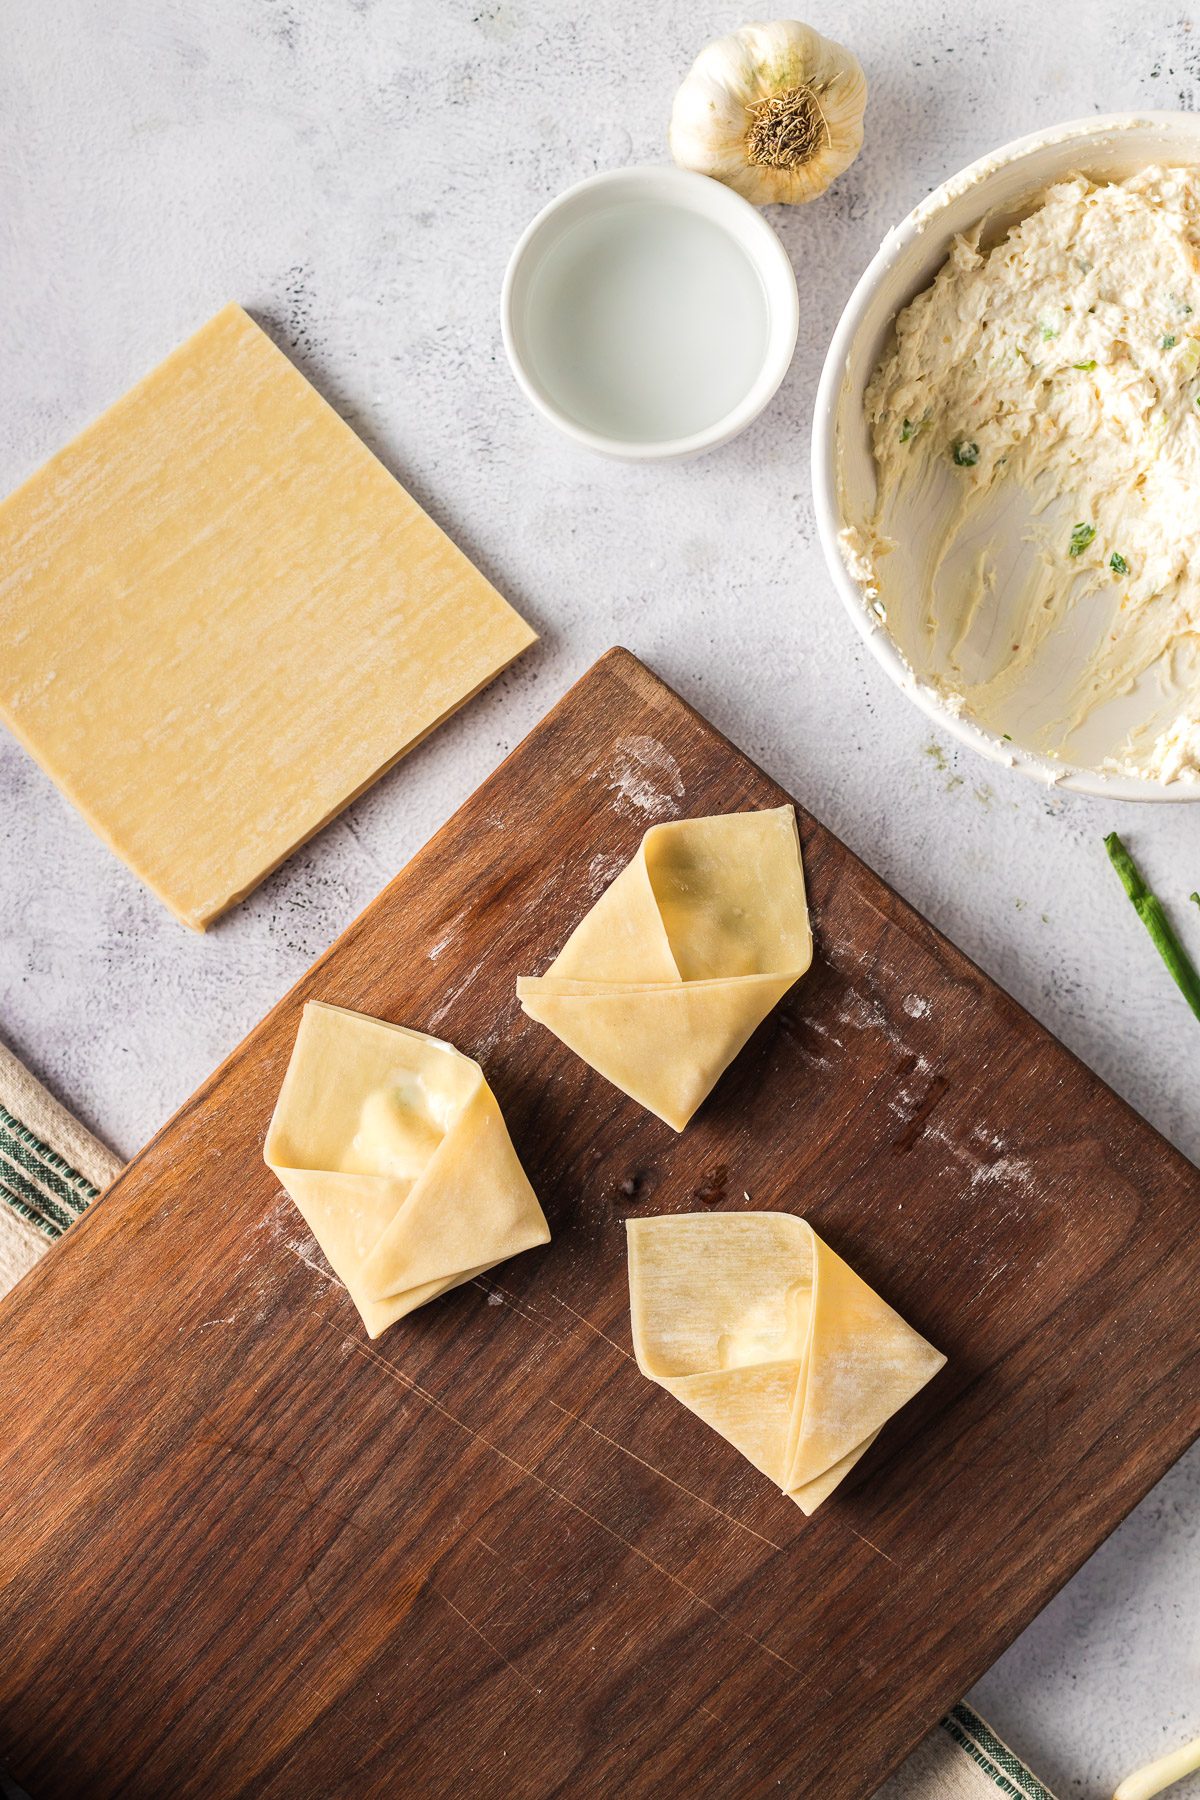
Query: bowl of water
649, 313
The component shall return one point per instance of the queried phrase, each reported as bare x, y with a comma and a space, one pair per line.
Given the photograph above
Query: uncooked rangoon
757, 1327
699, 936
393, 1147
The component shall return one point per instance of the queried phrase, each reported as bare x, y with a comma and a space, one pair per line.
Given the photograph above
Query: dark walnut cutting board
244, 1551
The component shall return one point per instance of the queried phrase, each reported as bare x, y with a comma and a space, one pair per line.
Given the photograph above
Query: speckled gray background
355, 172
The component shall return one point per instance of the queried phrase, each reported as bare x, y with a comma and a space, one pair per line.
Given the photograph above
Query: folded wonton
767, 1336
392, 1146
685, 954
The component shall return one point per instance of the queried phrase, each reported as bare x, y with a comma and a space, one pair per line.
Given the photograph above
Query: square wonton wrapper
770, 1338
699, 936
223, 618
393, 1147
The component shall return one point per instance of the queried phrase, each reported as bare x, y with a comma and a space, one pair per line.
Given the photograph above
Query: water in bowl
647, 322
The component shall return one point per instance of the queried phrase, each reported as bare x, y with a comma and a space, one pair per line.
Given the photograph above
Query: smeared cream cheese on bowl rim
972, 476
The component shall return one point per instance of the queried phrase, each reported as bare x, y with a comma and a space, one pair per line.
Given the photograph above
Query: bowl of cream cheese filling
1006, 456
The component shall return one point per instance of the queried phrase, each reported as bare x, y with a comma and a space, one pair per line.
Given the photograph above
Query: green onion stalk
1150, 911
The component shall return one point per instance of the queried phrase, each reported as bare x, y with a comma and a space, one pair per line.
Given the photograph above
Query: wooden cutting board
243, 1551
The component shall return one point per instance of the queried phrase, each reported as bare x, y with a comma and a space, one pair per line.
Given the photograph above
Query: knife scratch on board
494, 1648
871, 1546
414, 1387
655, 1470
595, 1328
501, 1296
326, 1274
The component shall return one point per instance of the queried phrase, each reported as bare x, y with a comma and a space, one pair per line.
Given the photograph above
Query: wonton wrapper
685, 954
392, 1146
767, 1336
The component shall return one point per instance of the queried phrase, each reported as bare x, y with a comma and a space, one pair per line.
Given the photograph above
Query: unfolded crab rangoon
699, 936
393, 1148
770, 1338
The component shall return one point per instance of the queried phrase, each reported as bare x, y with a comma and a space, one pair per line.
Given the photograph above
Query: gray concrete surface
355, 172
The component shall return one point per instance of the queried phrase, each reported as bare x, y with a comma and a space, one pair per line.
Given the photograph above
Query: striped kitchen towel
52, 1168
963, 1759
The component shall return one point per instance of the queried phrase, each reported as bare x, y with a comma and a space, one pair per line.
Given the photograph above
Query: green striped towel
963, 1759
52, 1168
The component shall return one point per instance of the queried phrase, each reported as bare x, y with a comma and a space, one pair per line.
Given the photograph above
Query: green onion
1087, 367
1081, 537
1150, 912
1048, 332
1168, 342
966, 455
907, 430
1195, 897
1117, 563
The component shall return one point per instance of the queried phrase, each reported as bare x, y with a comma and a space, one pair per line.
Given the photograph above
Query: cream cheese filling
1035, 549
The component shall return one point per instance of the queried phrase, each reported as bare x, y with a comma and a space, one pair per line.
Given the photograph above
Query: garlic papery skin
774, 111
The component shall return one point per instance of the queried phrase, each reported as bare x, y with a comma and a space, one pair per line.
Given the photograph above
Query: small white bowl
538, 302
1004, 184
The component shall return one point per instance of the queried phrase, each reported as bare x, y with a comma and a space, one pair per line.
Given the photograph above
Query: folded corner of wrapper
397, 1243
803, 1420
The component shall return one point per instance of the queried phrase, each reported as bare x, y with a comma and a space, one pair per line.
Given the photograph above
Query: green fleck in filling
1168, 342
1117, 563
1081, 537
966, 455
1087, 367
907, 430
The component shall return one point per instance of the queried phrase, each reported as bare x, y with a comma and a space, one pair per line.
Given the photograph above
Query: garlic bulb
774, 111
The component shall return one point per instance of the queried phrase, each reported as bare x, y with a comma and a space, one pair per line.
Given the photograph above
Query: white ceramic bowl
694, 194
843, 470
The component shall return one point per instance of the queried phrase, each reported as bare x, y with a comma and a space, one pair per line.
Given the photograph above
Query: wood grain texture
244, 1552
